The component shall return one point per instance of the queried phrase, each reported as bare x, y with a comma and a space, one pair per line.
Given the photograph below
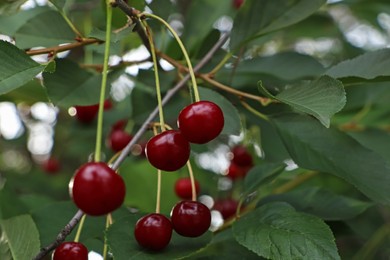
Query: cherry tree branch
66, 47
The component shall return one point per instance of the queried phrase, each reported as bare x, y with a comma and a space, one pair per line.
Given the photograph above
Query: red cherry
71, 250
190, 218
183, 188
118, 139
119, 125
235, 172
97, 189
153, 231
241, 156
108, 104
237, 3
201, 122
227, 207
168, 151
86, 114
51, 165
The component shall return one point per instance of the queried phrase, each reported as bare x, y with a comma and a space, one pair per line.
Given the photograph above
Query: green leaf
10, 204
260, 175
322, 203
10, 6
17, 68
368, 66
232, 118
21, 236
10, 24
321, 98
314, 147
123, 244
256, 18
277, 231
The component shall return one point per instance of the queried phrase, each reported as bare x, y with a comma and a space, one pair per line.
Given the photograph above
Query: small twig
60, 48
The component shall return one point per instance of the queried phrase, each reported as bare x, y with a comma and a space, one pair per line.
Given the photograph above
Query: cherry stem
105, 247
158, 200
80, 227
99, 132
192, 179
183, 49
254, 111
157, 79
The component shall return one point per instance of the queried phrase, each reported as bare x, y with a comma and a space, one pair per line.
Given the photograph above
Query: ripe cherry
153, 231
235, 172
183, 188
241, 156
97, 189
108, 104
201, 122
51, 165
227, 207
71, 250
118, 139
190, 218
86, 114
237, 3
168, 151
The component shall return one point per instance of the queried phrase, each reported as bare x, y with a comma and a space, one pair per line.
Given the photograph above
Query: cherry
235, 172
153, 231
237, 3
51, 165
108, 104
97, 189
183, 188
227, 207
86, 114
71, 250
168, 151
190, 218
201, 122
241, 156
118, 139
121, 124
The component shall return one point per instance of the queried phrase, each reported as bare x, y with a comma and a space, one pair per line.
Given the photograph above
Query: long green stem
105, 247
158, 200
99, 132
183, 49
192, 179
80, 227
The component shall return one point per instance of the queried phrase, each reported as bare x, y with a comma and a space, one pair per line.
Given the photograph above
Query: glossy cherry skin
118, 139
86, 114
241, 156
237, 3
227, 207
51, 165
168, 151
201, 122
183, 188
153, 231
97, 189
71, 250
190, 218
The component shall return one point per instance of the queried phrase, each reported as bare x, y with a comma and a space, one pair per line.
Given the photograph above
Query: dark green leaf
321, 98
10, 205
21, 236
277, 231
255, 18
322, 203
17, 68
9, 25
314, 147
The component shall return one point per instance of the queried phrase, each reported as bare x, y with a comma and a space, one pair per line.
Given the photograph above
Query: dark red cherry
201, 122
108, 104
241, 156
168, 151
190, 218
97, 189
227, 207
51, 165
183, 188
70, 250
86, 114
153, 231
235, 172
118, 139
237, 3
119, 125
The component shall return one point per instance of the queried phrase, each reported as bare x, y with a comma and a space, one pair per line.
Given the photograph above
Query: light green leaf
277, 231
17, 68
322, 203
10, 6
368, 66
21, 236
256, 18
329, 150
321, 98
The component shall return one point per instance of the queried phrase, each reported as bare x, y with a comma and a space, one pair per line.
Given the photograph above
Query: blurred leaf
314, 147
21, 236
124, 246
10, 205
260, 175
277, 231
368, 66
7, 7
321, 98
322, 203
10, 24
115, 36
17, 68
256, 18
